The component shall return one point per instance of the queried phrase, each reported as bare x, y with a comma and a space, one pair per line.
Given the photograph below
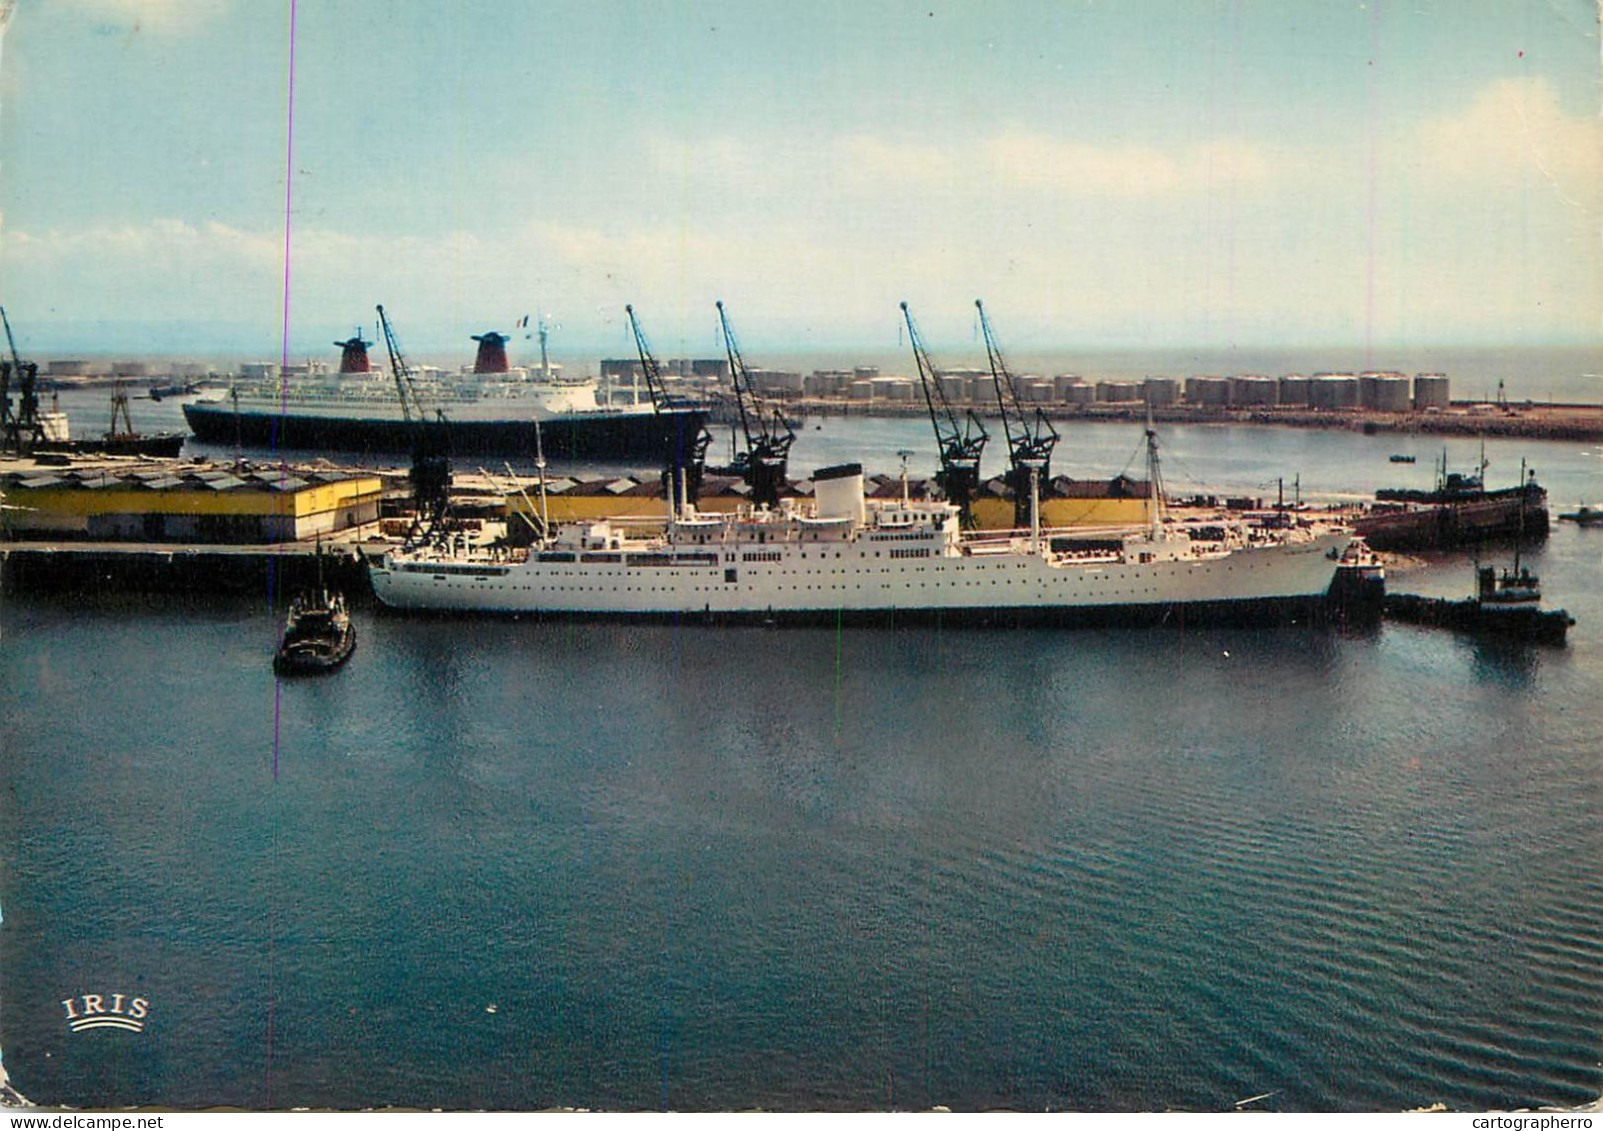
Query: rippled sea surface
503, 864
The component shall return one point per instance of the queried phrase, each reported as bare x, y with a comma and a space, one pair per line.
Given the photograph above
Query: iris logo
91, 1012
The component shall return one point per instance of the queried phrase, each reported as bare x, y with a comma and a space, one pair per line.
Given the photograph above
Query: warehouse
188, 502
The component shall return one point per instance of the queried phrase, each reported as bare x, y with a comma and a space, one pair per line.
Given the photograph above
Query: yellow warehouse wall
997, 514
989, 514
112, 500
332, 496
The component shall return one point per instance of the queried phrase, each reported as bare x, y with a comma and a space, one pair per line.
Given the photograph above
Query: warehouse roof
187, 476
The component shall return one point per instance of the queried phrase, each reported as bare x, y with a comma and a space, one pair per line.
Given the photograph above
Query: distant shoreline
1526, 420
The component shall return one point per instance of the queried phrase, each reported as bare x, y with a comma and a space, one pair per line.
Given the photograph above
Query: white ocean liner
491, 410
843, 557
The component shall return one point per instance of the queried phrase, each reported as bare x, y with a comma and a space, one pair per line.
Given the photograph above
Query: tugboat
1507, 604
1584, 515
318, 636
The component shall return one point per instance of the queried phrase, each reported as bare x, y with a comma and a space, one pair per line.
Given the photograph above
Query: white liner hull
858, 582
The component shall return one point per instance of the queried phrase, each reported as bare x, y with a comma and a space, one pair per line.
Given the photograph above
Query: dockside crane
960, 446
684, 457
5, 390
1029, 446
19, 429
767, 443
430, 474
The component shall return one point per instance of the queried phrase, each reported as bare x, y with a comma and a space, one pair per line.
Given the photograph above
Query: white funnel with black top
838, 492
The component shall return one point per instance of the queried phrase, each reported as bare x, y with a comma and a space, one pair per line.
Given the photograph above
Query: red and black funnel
492, 353
353, 355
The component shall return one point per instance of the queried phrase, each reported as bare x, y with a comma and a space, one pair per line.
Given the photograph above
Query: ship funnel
492, 353
353, 355
838, 492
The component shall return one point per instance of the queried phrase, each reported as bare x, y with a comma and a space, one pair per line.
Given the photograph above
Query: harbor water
506, 864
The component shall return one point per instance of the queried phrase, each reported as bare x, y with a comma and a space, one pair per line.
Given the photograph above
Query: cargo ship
846, 558
1460, 511
493, 410
119, 440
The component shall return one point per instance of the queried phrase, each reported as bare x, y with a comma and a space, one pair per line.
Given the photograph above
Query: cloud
1013, 161
1515, 133
161, 16
1464, 225
170, 269
160, 248
878, 160
1038, 161
1516, 130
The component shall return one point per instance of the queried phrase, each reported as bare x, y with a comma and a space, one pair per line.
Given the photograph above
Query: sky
1102, 174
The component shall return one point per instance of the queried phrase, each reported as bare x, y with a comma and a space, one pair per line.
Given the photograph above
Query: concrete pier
44, 567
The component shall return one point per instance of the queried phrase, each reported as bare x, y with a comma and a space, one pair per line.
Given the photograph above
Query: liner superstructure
846, 558
491, 411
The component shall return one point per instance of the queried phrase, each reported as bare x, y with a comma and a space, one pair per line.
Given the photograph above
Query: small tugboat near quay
318, 635
848, 558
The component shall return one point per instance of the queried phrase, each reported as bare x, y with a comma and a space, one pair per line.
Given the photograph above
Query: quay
197, 526
271, 570
183, 526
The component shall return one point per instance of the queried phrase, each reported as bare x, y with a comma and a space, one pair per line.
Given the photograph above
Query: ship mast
539, 463
119, 411
1155, 506
1519, 535
1035, 511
